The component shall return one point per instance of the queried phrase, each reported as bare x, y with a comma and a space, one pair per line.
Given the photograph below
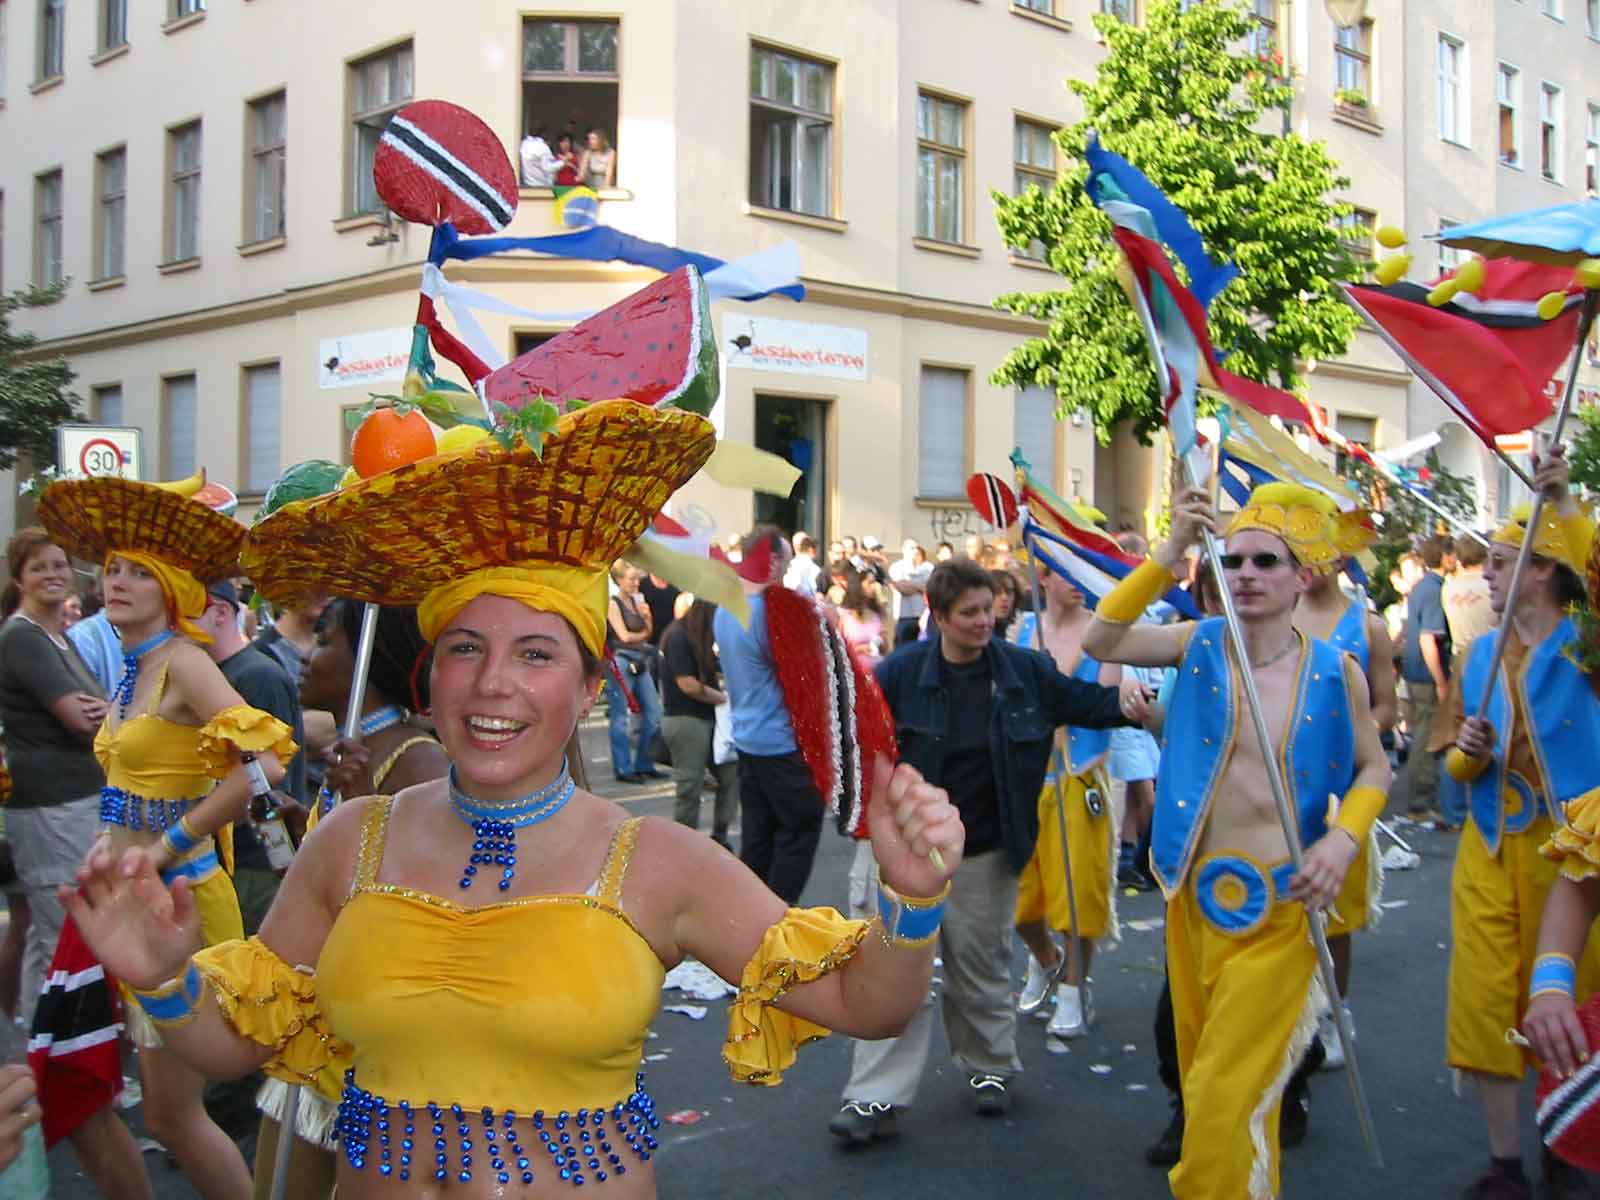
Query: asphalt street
1081, 1120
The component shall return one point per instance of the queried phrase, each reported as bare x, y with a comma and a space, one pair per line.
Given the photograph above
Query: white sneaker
1074, 1012
1333, 1050
1034, 988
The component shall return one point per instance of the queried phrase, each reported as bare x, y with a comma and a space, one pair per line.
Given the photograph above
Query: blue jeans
643, 687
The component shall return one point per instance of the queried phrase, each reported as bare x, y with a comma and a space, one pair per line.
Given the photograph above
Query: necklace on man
130, 670
495, 825
1290, 645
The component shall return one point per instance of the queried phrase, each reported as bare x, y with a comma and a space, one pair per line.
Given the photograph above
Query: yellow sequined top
536, 1003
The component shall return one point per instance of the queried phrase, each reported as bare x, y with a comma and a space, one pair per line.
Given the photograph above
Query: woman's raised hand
346, 773
141, 930
909, 819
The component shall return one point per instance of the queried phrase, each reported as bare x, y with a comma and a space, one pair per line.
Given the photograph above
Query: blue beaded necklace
375, 721
494, 827
130, 670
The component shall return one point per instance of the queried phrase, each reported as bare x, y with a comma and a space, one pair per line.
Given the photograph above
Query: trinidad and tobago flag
1488, 356
73, 1048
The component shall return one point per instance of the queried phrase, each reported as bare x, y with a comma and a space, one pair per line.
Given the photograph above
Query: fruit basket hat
539, 524
183, 542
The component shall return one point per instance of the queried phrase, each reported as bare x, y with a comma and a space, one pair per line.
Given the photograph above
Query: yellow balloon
1443, 293
1550, 305
1587, 273
1390, 238
460, 437
1392, 269
1470, 277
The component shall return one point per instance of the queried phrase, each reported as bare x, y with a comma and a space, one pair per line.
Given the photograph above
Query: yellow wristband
1462, 767
1358, 810
1142, 587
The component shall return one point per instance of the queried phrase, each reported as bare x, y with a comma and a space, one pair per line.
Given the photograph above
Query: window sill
1046, 19
941, 502
247, 249
1357, 118
1511, 165
1450, 141
179, 266
106, 284
358, 221
1032, 264
44, 85
109, 54
959, 249
831, 224
177, 23
544, 193
1552, 180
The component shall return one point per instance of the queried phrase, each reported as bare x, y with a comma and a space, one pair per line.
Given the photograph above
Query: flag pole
1591, 300
1286, 816
1455, 523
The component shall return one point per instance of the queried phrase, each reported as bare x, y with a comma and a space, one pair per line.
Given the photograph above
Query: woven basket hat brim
89, 518
598, 482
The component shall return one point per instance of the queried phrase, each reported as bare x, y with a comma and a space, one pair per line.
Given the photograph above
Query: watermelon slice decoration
656, 347
218, 496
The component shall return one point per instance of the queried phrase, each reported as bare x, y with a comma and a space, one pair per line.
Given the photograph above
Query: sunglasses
1266, 560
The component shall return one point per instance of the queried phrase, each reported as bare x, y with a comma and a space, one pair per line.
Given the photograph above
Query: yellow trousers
1245, 1006
1042, 889
1350, 909
1496, 903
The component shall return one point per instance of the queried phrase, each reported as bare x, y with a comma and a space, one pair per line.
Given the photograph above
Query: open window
569, 88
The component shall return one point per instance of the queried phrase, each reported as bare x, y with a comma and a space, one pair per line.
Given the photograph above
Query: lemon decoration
460, 437
1550, 305
1470, 277
1443, 292
350, 476
1390, 238
1393, 269
1587, 273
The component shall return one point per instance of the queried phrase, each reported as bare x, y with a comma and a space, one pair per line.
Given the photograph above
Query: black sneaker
1295, 1117
990, 1096
1168, 1148
1560, 1180
860, 1121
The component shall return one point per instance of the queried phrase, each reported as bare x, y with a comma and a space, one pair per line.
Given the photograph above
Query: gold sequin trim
437, 901
619, 855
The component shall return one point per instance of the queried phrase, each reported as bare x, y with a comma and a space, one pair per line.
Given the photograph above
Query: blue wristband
1553, 974
175, 1003
181, 838
906, 921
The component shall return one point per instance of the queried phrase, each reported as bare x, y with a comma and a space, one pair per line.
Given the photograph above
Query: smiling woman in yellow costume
170, 748
480, 957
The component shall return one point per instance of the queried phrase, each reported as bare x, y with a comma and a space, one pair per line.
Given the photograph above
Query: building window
1264, 34
262, 426
1047, 7
1550, 148
268, 161
52, 37
791, 132
569, 86
113, 24
107, 406
379, 86
1034, 429
111, 213
178, 414
1591, 152
1592, 18
942, 433
941, 168
1358, 232
47, 229
1508, 92
1034, 166
183, 192
1352, 60
1453, 126
1551, 8
178, 9
1450, 258
1362, 431
1122, 10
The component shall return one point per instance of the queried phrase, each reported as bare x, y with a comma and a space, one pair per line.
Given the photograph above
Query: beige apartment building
201, 172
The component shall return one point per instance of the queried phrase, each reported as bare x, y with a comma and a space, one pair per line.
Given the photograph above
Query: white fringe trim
1374, 878
314, 1116
1304, 1030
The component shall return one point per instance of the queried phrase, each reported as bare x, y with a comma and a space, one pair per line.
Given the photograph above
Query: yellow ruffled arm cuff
1139, 589
1358, 810
265, 1000
242, 729
1462, 767
806, 944
1576, 845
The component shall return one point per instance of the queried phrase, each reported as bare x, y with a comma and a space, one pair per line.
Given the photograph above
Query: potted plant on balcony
1351, 98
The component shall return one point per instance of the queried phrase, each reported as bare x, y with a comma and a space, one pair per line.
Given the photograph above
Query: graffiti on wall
953, 524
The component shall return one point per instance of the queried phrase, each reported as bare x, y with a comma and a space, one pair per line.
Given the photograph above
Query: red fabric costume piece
1569, 1109
73, 1049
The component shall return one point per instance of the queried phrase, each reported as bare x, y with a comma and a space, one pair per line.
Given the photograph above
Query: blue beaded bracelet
1553, 974
181, 838
908, 921
175, 1003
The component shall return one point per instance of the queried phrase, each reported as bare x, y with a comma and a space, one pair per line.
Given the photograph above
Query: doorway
795, 429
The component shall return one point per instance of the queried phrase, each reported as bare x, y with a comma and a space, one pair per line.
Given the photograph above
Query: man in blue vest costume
1508, 770
1240, 960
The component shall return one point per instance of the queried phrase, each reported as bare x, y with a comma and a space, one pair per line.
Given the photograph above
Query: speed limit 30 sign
91, 450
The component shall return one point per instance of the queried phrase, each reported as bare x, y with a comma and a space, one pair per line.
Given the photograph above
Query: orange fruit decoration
387, 440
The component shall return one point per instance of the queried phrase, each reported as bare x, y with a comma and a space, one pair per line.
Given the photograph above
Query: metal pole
352, 726
1590, 301
1454, 522
1396, 838
1291, 835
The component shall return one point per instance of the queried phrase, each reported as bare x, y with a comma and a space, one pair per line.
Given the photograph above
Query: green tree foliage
1584, 454
35, 395
1405, 520
1182, 99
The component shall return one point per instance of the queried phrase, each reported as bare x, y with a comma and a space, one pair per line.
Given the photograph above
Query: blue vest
1564, 731
1086, 747
1203, 722
1350, 635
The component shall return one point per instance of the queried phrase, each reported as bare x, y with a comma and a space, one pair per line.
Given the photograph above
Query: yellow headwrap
1564, 539
186, 595
577, 593
1305, 519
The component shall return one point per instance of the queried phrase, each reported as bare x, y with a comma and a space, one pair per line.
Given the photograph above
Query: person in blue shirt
1425, 666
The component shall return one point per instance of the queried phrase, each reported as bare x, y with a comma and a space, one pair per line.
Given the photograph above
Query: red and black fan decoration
1569, 1109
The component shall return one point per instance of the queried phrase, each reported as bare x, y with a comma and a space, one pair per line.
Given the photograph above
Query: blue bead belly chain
494, 826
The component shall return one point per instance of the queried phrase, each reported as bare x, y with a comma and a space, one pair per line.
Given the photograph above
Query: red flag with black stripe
72, 1049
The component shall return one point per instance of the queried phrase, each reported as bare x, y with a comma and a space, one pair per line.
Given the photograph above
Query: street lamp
1346, 13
